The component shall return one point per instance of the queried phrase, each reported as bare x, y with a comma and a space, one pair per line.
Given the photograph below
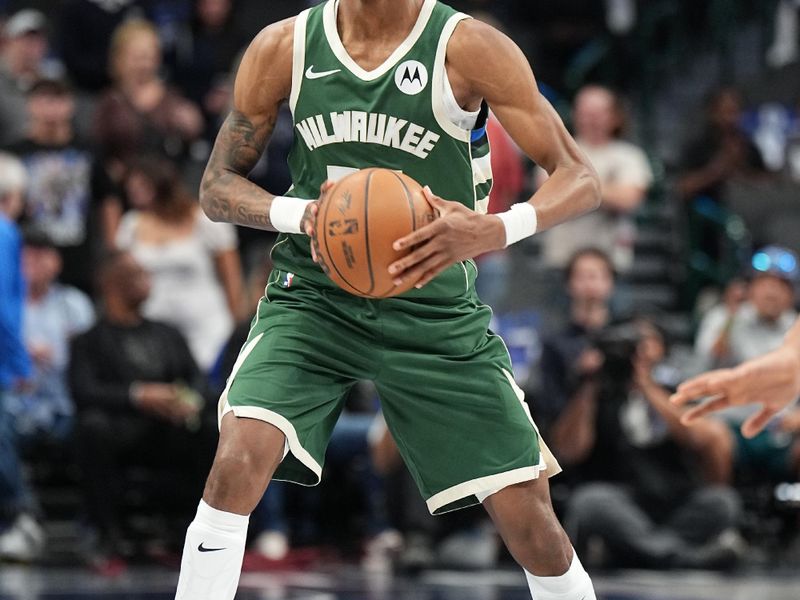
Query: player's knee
236, 479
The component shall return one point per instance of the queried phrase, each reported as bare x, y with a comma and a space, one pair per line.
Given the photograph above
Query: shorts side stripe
273, 418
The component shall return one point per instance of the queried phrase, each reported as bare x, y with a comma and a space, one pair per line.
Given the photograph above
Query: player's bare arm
263, 82
772, 380
483, 63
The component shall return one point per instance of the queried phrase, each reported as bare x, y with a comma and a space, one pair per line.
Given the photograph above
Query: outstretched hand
457, 234
772, 380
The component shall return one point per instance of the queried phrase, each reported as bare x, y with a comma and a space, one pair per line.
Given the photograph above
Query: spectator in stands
20, 536
53, 315
639, 467
86, 27
141, 113
194, 263
22, 55
140, 401
205, 51
70, 198
727, 339
721, 152
568, 361
625, 176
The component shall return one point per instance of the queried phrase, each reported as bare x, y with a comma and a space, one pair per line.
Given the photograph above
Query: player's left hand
772, 381
458, 234
309, 220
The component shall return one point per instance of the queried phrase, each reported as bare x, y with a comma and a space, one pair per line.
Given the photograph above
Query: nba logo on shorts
288, 281
411, 77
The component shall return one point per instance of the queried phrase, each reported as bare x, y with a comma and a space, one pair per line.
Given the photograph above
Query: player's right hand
772, 380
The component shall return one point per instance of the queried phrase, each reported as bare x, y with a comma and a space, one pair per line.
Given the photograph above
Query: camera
618, 345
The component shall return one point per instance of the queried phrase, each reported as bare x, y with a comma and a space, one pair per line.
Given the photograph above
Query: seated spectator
140, 401
205, 51
721, 152
639, 493
727, 338
568, 360
140, 113
22, 62
53, 315
625, 176
194, 263
20, 536
70, 197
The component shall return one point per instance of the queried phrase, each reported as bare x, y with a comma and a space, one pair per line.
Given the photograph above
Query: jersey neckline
335, 42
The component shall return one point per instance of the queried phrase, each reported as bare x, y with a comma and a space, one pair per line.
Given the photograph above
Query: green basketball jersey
396, 116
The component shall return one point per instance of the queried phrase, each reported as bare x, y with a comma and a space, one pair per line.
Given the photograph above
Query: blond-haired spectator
140, 112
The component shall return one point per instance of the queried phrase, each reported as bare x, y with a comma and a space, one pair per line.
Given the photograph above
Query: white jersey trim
335, 42
440, 108
463, 119
298, 57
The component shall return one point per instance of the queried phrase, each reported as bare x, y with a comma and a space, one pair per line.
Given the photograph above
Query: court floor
350, 583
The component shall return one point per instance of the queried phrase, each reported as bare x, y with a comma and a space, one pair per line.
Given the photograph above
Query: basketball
358, 220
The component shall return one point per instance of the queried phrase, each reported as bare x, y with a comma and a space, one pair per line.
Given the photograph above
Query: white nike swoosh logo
310, 74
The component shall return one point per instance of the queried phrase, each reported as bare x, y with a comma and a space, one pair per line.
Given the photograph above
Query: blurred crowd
122, 307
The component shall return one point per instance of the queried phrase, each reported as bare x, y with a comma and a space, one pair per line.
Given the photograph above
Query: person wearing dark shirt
204, 54
140, 401
721, 152
69, 197
649, 487
567, 358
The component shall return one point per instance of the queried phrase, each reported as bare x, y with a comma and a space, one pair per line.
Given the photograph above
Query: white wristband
286, 213
520, 222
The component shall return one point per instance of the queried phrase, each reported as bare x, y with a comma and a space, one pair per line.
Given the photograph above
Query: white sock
212, 555
575, 584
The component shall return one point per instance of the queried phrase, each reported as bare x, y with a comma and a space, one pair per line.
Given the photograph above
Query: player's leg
462, 427
248, 453
277, 414
524, 517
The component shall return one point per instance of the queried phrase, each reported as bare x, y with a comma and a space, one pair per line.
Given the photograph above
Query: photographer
567, 358
651, 499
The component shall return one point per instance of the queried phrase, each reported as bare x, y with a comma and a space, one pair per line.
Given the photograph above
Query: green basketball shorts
444, 380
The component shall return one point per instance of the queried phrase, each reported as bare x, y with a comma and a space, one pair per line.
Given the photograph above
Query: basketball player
400, 84
772, 380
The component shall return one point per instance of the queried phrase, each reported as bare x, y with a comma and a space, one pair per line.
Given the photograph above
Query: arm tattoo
225, 192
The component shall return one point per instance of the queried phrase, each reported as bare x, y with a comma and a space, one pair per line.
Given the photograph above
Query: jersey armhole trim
438, 81
298, 57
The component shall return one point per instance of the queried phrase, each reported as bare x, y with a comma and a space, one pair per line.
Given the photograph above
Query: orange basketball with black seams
359, 219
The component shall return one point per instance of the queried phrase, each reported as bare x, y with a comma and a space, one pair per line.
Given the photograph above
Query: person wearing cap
22, 56
756, 328
730, 337
768, 382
